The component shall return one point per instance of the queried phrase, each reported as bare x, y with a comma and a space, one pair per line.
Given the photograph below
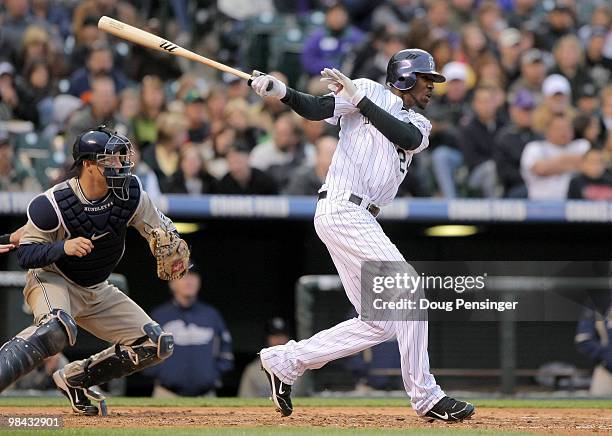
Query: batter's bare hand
261, 83
78, 247
341, 85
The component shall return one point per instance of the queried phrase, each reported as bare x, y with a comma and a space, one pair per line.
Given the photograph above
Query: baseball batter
74, 238
379, 135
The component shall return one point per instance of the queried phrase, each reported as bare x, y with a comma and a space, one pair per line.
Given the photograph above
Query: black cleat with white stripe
79, 397
281, 392
450, 410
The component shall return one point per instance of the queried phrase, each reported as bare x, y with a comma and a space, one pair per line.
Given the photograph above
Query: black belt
356, 199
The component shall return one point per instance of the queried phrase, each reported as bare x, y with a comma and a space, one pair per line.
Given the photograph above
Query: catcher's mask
112, 152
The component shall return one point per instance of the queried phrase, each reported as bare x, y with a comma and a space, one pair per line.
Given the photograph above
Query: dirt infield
556, 421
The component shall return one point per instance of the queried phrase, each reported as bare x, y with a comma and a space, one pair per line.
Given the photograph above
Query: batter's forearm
404, 135
315, 108
40, 255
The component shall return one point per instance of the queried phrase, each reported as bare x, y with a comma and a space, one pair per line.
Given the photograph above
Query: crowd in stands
526, 111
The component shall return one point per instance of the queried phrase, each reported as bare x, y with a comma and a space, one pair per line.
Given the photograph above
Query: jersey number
403, 160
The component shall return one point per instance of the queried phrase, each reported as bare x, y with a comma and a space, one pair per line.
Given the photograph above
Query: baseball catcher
74, 238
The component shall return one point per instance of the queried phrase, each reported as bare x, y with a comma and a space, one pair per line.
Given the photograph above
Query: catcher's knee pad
25, 352
121, 360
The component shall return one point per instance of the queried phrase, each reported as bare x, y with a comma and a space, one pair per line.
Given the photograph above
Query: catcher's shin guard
121, 360
29, 348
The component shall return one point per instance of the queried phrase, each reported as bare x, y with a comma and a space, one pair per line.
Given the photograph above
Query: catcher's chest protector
104, 223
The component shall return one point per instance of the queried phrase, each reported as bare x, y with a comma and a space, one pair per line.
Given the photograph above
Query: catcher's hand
341, 85
171, 253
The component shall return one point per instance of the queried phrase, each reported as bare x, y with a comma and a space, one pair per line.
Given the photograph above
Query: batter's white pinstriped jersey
366, 163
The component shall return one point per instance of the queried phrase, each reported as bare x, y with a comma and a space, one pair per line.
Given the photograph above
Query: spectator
510, 142
35, 45
253, 382
307, 180
164, 157
54, 15
236, 88
285, 152
595, 179
202, 343
94, 9
588, 101
86, 37
152, 103
557, 101
241, 178
35, 92
147, 176
509, 46
599, 65
438, 17
447, 114
9, 100
522, 11
606, 110
129, 104
560, 21
327, 46
390, 41
237, 118
473, 44
195, 112
99, 62
588, 127
192, 177
594, 340
569, 57
395, 13
215, 107
533, 73
461, 14
215, 151
15, 21
547, 166
14, 178
100, 111
489, 18
477, 143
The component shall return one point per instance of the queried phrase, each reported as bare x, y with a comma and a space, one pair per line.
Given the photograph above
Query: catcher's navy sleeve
402, 134
315, 108
39, 255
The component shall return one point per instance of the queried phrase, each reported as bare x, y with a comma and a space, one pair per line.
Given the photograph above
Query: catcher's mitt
171, 253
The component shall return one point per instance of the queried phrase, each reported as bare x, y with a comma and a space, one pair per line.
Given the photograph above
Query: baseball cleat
281, 392
450, 410
79, 397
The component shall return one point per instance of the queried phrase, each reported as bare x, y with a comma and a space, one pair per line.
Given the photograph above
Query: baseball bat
141, 37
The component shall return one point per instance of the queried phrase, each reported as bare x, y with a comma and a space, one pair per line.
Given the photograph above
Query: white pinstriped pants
352, 235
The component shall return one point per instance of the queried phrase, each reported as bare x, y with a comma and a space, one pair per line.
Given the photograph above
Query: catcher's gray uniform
72, 290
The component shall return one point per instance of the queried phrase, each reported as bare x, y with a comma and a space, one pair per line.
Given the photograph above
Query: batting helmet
405, 64
110, 150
